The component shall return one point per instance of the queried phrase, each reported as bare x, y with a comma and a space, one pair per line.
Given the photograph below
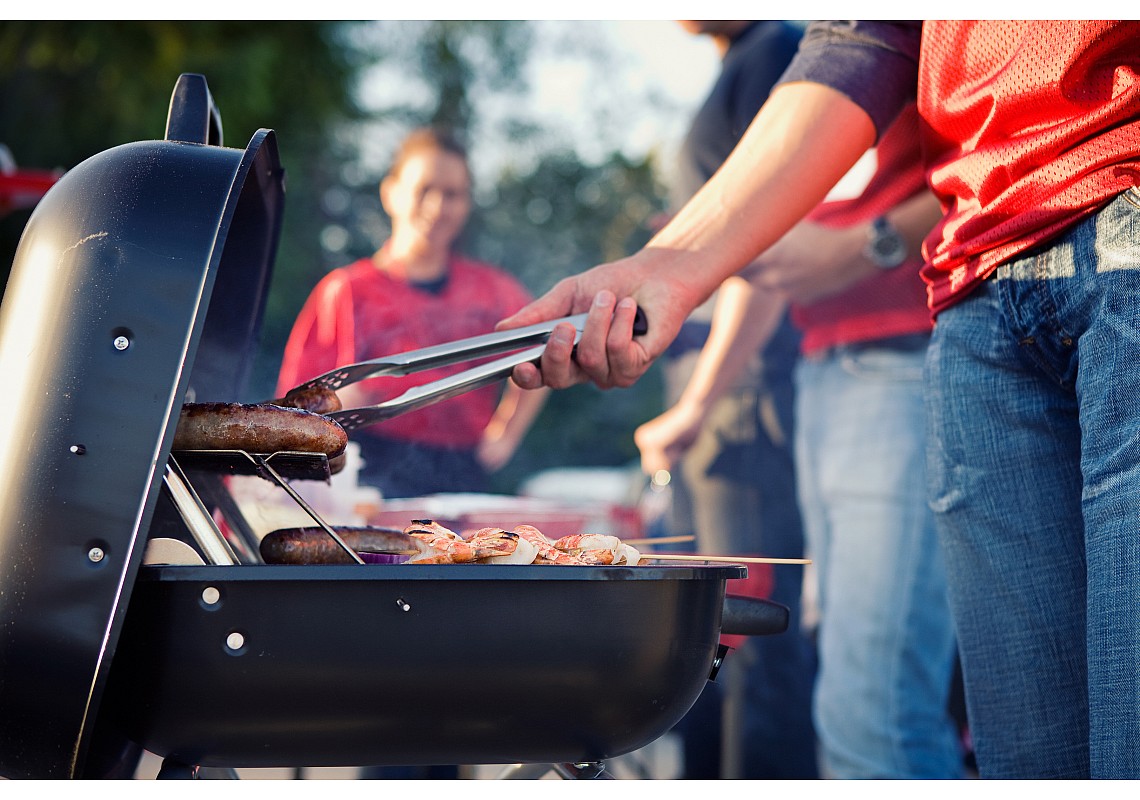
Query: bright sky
634, 90
663, 71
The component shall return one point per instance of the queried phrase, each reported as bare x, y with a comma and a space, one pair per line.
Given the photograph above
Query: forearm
516, 412
801, 143
803, 140
744, 319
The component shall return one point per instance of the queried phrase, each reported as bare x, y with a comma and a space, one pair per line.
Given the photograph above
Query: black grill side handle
193, 117
752, 616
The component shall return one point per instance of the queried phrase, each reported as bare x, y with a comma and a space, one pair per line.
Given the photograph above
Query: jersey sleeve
874, 63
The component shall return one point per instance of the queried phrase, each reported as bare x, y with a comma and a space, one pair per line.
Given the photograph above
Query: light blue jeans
886, 642
1034, 414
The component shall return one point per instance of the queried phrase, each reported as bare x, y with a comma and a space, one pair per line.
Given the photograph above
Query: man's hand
665, 438
607, 354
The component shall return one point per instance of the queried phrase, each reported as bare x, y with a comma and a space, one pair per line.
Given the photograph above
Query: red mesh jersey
1030, 126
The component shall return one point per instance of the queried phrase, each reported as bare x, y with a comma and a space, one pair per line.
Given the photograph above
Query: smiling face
428, 198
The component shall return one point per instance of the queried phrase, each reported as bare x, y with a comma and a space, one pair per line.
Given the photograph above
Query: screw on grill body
78, 449
402, 604
122, 342
95, 555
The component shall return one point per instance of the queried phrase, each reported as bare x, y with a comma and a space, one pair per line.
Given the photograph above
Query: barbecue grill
138, 286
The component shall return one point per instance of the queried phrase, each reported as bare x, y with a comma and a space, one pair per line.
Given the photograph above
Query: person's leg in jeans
886, 642
1034, 410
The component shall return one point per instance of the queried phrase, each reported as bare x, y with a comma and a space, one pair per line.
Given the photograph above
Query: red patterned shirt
360, 312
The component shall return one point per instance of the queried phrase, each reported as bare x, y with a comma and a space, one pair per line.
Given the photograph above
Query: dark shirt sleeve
872, 62
757, 68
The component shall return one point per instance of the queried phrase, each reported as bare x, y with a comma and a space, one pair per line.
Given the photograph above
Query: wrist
885, 247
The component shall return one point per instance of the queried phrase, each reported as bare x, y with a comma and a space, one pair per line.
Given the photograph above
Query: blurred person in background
885, 637
413, 292
733, 486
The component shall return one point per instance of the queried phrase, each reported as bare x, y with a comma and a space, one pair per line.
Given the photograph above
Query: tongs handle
443, 355
468, 380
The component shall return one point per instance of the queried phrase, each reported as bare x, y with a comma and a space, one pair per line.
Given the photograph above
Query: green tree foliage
69, 90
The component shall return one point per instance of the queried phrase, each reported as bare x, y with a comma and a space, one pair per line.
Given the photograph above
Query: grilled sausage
257, 428
315, 546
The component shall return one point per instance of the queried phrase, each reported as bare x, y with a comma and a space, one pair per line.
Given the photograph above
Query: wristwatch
885, 247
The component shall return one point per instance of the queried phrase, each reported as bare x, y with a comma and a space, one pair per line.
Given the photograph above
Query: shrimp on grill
451, 548
588, 541
430, 527
519, 551
547, 552
598, 548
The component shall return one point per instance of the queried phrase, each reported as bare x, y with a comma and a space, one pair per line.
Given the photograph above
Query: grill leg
176, 770
589, 770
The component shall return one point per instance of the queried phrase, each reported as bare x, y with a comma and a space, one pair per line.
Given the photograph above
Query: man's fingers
558, 368
555, 304
592, 355
625, 359
527, 376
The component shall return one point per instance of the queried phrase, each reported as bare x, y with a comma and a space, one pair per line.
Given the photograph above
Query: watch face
886, 248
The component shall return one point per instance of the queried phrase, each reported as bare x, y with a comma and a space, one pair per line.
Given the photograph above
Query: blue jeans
886, 641
1034, 420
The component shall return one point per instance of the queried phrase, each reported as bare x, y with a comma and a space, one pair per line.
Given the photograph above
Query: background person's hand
664, 439
812, 262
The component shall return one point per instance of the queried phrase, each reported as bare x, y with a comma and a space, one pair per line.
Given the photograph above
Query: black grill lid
139, 283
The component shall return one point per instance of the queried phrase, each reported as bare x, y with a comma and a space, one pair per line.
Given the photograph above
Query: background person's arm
743, 320
813, 261
516, 412
809, 263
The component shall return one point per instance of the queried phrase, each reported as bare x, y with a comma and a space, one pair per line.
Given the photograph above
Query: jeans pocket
1131, 195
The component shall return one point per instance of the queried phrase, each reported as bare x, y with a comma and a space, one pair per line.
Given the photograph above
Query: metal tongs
533, 338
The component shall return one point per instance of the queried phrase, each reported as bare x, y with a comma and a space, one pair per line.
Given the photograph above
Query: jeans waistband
906, 343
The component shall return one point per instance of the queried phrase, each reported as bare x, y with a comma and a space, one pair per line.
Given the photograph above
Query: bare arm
802, 141
516, 412
744, 319
816, 261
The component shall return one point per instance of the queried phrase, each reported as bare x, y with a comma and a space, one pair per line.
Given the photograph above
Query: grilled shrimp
547, 552
454, 549
588, 541
598, 548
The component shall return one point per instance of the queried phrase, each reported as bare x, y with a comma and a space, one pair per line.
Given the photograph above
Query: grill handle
752, 616
193, 116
